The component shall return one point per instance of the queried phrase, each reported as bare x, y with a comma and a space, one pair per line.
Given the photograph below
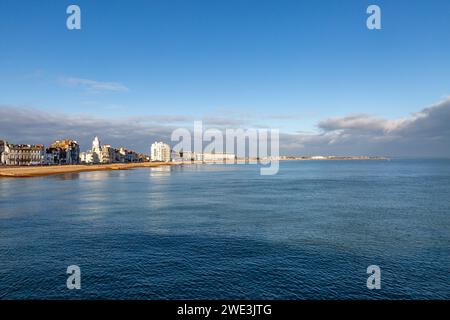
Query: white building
94, 155
160, 151
187, 156
218, 157
22, 154
86, 157
2, 150
107, 154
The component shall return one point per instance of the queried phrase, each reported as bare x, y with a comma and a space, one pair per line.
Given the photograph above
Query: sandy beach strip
37, 171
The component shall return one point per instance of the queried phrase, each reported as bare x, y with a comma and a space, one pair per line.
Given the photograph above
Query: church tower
96, 150
96, 145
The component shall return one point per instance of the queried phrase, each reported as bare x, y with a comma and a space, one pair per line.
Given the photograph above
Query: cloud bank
423, 134
24, 125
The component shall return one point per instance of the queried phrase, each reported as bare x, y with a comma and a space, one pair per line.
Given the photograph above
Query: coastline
39, 171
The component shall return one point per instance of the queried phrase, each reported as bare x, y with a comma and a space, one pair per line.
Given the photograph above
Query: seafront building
124, 155
2, 149
107, 154
218, 157
160, 151
187, 156
86, 157
97, 154
21, 154
63, 152
66, 151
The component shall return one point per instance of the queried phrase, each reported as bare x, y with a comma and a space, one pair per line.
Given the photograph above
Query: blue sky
293, 63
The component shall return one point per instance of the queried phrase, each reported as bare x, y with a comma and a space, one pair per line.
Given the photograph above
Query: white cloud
95, 86
361, 122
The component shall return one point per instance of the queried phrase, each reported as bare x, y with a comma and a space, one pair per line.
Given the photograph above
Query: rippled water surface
224, 231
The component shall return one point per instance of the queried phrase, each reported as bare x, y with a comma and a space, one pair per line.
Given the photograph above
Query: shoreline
41, 171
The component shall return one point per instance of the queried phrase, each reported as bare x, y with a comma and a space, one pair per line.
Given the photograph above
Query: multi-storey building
63, 152
160, 151
218, 157
142, 157
22, 154
2, 149
126, 155
96, 154
107, 154
187, 156
86, 157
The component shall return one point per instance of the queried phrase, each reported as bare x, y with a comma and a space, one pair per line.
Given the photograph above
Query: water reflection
97, 175
121, 175
68, 176
160, 171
